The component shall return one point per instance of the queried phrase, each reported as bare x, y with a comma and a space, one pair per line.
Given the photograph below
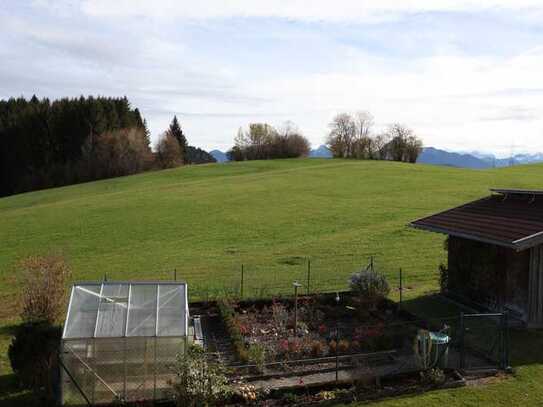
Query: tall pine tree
175, 130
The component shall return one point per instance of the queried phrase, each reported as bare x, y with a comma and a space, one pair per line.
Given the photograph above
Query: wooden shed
495, 252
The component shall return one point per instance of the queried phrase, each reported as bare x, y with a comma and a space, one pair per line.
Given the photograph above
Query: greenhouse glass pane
171, 310
112, 311
82, 311
142, 310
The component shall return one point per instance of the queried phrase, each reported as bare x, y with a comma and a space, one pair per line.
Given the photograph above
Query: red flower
322, 329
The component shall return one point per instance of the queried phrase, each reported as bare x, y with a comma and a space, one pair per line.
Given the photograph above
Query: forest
46, 143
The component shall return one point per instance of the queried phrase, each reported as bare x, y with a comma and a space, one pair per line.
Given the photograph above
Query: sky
463, 74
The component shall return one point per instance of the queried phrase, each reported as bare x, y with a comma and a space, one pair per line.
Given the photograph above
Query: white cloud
461, 81
349, 10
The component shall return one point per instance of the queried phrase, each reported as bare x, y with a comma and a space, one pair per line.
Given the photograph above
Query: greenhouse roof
115, 309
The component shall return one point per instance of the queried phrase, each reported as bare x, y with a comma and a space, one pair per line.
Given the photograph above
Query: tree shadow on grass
11, 394
8, 329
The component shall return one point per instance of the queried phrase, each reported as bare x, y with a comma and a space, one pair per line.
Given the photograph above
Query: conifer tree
175, 130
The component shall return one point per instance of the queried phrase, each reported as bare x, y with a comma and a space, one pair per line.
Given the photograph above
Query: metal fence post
401, 288
462, 341
174, 274
308, 274
241, 285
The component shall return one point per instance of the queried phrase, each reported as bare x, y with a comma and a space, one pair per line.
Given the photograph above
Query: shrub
248, 393
443, 277
33, 356
332, 345
257, 356
434, 377
294, 347
198, 381
228, 315
317, 349
369, 286
343, 346
44, 288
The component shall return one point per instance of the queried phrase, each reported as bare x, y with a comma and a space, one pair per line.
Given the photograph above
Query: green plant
228, 315
369, 286
433, 376
443, 277
257, 356
198, 381
33, 356
422, 347
289, 398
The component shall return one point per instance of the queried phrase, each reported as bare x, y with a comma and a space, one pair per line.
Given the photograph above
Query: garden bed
341, 350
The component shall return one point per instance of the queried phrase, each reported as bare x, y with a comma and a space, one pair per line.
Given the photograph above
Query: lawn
206, 221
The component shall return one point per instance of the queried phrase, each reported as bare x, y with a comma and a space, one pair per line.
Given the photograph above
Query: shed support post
535, 288
462, 342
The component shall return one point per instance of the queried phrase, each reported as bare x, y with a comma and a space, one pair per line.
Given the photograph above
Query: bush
317, 349
257, 356
443, 277
343, 346
44, 288
333, 347
369, 286
33, 356
228, 315
198, 381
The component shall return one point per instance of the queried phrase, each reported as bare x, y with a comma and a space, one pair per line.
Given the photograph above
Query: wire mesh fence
315, 275
134, 369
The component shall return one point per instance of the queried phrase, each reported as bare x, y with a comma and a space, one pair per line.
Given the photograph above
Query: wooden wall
493, 276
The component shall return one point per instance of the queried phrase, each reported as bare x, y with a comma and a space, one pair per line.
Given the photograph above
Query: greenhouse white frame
121, 339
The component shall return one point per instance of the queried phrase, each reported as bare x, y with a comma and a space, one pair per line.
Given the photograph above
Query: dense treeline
47, 143
351, 136
263, 142
44, 143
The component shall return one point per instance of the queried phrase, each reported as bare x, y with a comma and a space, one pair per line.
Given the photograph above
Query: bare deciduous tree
44, 288
168, 151
262, 142
362, 147
341, 136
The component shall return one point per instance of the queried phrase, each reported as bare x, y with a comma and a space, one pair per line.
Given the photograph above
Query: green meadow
206, 221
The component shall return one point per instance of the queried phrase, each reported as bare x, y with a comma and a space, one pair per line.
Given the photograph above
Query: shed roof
127, 309
509, 218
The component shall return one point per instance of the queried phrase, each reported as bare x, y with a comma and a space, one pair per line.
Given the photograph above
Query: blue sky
464, 74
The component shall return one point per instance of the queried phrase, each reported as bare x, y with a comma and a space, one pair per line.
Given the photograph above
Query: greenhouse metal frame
121, 340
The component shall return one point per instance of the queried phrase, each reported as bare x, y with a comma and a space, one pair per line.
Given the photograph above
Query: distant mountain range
219, 156
435, 156
474, 159
319, 152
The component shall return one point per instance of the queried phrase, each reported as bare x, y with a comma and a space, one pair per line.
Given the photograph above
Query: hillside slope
205, 221
209, 219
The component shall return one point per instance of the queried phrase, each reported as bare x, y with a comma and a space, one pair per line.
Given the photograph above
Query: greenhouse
121, 340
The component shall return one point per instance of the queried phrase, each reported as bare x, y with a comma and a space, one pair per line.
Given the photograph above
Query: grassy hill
206, 221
